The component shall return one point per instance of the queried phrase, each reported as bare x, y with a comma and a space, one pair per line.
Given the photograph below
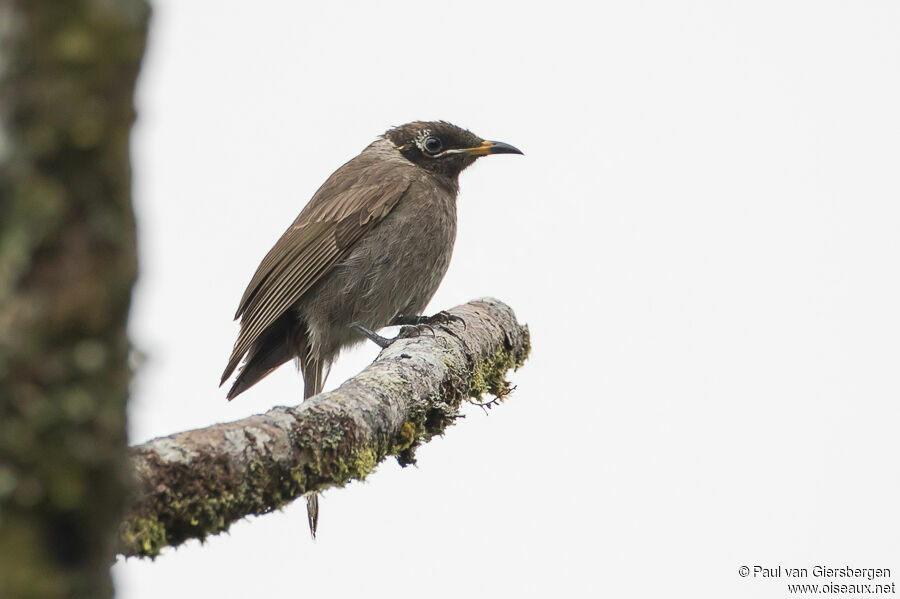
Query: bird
367, 251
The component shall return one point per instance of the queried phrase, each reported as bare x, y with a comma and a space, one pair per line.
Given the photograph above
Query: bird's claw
417, 329
413, 331
441, 318
444, 317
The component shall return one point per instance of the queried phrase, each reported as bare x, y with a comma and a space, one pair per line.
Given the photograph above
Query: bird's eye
432, 145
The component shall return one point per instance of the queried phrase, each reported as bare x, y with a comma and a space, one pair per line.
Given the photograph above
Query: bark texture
197, 483
67, 264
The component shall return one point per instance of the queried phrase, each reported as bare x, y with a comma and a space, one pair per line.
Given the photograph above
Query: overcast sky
702, 237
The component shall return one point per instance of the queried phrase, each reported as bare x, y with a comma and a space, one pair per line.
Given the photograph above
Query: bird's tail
313, 381
312, 512
273, 348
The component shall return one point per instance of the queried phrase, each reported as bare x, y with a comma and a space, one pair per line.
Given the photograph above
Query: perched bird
368, 251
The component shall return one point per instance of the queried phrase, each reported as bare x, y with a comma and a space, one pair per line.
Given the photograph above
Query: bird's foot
441, 318
412, 326
384, 342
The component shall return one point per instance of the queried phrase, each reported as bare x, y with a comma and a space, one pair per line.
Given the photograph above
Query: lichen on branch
196, 483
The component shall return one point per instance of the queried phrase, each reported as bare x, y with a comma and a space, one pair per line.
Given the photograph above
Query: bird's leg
377, 339
383, 342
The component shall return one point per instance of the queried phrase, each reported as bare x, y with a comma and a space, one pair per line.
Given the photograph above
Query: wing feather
353, 200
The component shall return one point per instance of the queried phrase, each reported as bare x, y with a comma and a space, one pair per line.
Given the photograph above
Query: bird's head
441, 147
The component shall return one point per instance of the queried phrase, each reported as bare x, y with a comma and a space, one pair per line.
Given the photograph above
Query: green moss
359, 465
409, 437
144, 536
489, 376
406, 436
204, 498
486, 376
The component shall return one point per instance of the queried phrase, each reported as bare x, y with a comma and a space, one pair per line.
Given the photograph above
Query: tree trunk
67, 265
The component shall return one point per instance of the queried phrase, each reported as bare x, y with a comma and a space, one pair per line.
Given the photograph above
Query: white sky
702, 236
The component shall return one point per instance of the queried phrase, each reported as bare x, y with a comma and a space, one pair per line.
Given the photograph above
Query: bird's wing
343, 209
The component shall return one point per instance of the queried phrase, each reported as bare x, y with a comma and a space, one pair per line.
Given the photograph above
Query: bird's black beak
492, 147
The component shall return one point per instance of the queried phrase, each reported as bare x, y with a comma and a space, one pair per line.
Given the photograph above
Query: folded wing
321, 236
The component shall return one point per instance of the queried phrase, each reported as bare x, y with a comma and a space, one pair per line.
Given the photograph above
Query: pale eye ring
432, 145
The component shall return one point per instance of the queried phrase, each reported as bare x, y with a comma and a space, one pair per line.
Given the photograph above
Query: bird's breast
395, 268
408, 253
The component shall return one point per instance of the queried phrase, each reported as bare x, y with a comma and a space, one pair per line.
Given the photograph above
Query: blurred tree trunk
67, 265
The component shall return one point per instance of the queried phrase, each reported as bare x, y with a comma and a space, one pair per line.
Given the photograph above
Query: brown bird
368, 251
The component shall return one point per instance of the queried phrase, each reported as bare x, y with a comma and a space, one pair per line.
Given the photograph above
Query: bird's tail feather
313, 380
267, 354
312, 512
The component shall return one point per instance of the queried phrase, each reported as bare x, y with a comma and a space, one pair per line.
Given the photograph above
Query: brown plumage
371, 245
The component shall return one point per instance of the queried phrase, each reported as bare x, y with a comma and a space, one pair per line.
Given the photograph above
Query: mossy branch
197, 483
